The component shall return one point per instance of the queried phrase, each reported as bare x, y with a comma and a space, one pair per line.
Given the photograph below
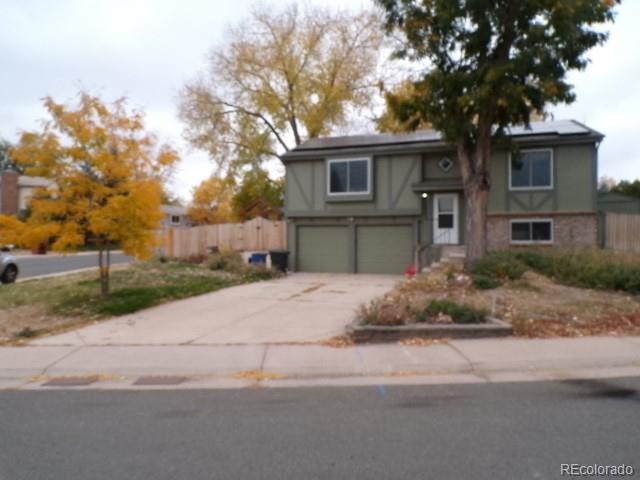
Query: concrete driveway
302, 307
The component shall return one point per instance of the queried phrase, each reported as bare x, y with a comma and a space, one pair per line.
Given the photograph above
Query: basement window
349, 176
532, 231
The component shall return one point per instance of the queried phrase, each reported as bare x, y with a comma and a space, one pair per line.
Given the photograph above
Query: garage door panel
323, 249
384, 249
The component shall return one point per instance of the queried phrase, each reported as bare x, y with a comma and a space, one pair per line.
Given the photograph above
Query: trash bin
257, 258
279, 259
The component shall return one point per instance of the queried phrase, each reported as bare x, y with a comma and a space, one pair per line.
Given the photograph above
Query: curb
59, 255
492, 328
69, 272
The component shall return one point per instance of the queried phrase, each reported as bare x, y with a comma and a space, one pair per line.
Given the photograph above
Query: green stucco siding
573, 184
306, 189
574, 178
432, 170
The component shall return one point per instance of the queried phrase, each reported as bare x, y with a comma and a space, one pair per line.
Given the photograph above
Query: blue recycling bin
258, 258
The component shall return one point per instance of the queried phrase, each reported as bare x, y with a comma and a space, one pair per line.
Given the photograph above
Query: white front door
445, 219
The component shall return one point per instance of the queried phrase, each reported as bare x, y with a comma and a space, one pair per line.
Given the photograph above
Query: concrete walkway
205, 366
302, 307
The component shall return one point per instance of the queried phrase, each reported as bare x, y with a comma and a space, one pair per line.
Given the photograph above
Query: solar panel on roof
558, 127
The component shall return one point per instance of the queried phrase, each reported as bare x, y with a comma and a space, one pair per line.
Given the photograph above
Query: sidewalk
231, 366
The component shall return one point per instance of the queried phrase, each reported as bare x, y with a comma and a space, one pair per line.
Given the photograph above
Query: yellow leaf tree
108, 172
211, 202
285, 75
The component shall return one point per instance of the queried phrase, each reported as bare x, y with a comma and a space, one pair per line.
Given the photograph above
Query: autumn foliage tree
258, 196
108, 173
489, 64
211, 203
285, 75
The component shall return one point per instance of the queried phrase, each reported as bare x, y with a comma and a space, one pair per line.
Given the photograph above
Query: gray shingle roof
559, 128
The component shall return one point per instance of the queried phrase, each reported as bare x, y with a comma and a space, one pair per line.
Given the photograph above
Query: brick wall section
9, 192
570, 231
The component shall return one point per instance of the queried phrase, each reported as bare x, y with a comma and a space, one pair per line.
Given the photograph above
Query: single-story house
175, 216
366, 204
16, 190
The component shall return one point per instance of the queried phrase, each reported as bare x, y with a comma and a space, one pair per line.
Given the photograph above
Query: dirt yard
533, 304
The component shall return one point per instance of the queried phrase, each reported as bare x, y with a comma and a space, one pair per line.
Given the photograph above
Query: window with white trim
531, 169
352, 176
175, 219
532, 231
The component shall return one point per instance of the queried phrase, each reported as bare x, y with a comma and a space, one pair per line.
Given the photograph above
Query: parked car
8, 267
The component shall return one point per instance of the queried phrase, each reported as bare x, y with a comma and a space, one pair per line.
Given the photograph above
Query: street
47, 264
479, 431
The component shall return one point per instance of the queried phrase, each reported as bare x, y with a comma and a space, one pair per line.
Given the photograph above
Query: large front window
532, 169
351, 176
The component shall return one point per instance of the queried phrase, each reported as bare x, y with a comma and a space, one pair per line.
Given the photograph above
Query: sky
146, 50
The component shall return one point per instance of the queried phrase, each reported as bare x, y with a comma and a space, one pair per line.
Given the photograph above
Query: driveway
299, 308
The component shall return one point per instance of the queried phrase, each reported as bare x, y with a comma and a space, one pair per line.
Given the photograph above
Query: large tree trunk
477, 200
474, 164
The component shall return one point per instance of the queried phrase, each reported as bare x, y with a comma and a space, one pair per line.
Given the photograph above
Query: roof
431, 138
29, 181
174, 209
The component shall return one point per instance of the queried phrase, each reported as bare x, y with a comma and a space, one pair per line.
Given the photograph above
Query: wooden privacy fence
253, 235
622, 232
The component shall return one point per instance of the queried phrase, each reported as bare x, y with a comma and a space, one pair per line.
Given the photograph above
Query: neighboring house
615, 202
175, 216
16, 190
366, 203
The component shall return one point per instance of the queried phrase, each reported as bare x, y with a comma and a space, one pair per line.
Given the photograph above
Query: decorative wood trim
296, 180
405, 182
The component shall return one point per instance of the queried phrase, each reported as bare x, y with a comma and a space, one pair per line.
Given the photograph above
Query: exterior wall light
425, 195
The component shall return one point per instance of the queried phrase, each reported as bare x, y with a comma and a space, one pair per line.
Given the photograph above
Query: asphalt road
482, 431
44, 265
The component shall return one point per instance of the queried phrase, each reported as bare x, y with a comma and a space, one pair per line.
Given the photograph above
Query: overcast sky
146, 50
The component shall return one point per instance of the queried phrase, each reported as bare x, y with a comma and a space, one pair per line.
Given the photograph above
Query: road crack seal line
472, 368
43, 373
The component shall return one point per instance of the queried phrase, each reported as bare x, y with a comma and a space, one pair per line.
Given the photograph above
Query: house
16, 190
615, 202
365, 204
175, 216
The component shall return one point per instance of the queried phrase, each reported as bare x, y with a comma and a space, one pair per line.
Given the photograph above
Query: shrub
196, 259
458, 313
491, 271
383, 312
229, 261
254, 273
485, 283
596, 269
232, 262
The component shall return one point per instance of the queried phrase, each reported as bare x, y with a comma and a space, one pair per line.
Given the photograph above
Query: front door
445, 219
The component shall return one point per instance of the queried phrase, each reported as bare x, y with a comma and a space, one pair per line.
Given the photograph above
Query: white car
8, 267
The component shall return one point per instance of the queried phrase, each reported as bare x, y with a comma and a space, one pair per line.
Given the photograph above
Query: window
349, 176
531, 170
531, 231
445, 212
175, 219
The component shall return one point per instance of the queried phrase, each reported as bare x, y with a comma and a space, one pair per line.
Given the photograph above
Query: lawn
540, 294
56, 304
